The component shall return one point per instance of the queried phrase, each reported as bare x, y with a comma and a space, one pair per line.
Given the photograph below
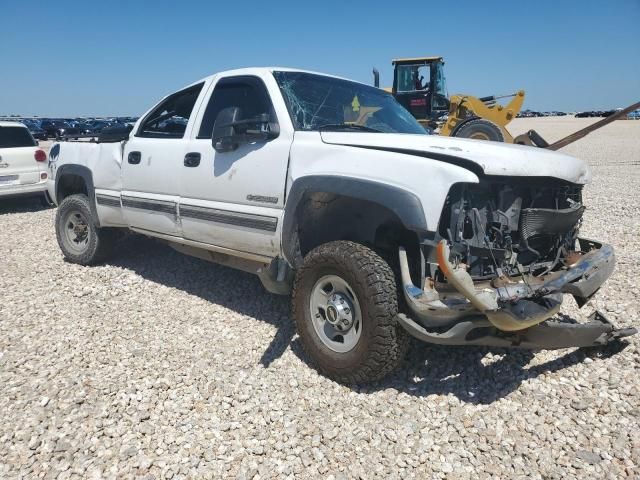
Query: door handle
134, 158
192, 159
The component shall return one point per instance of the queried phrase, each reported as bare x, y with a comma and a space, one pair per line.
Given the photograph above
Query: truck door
235, 199
152, 163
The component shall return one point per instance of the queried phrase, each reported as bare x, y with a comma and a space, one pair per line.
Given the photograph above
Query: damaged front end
496, 271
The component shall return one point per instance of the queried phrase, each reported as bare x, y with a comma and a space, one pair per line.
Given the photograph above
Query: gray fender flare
86, 175
406, 205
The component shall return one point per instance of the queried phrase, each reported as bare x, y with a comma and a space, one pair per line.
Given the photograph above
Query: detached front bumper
587, 275
548, 335
513, 313
582, 279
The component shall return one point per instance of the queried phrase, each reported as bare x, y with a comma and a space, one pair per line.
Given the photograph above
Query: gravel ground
158, 365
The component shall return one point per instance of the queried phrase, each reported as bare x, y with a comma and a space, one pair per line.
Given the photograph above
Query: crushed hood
492, 158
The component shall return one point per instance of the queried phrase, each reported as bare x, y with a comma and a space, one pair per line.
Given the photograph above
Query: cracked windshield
317, 102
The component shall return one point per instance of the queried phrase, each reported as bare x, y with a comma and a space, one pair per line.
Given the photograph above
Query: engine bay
507, 250
508, 227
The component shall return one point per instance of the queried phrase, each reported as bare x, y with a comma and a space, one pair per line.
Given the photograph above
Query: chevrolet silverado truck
330, 191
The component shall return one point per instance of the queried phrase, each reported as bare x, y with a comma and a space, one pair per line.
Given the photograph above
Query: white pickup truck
330, 190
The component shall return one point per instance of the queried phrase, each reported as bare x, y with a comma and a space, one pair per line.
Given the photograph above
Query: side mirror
223, 131
229, 131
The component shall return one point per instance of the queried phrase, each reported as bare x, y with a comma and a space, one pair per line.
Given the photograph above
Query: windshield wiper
347, 126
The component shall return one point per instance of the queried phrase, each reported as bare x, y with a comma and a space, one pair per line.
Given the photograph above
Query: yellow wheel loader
419, 85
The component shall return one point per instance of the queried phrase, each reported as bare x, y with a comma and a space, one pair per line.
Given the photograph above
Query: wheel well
324, 217
70, 184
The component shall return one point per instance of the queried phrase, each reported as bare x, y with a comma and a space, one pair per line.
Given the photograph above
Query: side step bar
548, 335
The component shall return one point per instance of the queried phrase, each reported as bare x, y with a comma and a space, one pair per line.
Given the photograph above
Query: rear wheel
344, 304
480, 129
80, 240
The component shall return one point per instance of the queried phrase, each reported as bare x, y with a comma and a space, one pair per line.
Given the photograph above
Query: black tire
99, 241
480, 129
382, 343
45, 200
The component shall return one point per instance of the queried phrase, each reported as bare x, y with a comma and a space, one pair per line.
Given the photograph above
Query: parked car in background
596, 113
36, 130
85, 128
23, 166
59, 129
97, 126
608, 113
68, 130
528, 114
51, 127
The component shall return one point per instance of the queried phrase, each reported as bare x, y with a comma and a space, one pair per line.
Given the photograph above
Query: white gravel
158, 365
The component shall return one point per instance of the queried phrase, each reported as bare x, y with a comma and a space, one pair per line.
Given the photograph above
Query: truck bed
103, 159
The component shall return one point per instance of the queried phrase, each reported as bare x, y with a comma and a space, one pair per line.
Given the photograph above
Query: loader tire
347, 282
480, 129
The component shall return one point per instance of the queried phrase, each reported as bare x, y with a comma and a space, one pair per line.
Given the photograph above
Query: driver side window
246, 93
170, 118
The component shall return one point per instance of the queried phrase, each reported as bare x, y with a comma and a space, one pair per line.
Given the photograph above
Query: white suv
23, 166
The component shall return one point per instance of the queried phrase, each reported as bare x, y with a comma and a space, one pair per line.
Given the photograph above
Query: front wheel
344, 304
80, 240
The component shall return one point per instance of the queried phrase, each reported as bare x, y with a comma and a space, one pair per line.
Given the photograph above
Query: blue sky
66, 58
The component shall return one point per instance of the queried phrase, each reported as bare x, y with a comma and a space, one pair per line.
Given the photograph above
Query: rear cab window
15, 137
170, 118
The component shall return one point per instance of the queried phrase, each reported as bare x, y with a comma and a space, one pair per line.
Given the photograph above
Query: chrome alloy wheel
336, 314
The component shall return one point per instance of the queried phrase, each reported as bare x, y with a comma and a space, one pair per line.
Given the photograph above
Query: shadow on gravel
22, 205
466, 372
238, 291
461, 371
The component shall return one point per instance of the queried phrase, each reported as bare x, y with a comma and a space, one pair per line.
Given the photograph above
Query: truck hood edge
480, 157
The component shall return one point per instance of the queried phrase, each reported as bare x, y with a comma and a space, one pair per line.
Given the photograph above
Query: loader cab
419, 85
